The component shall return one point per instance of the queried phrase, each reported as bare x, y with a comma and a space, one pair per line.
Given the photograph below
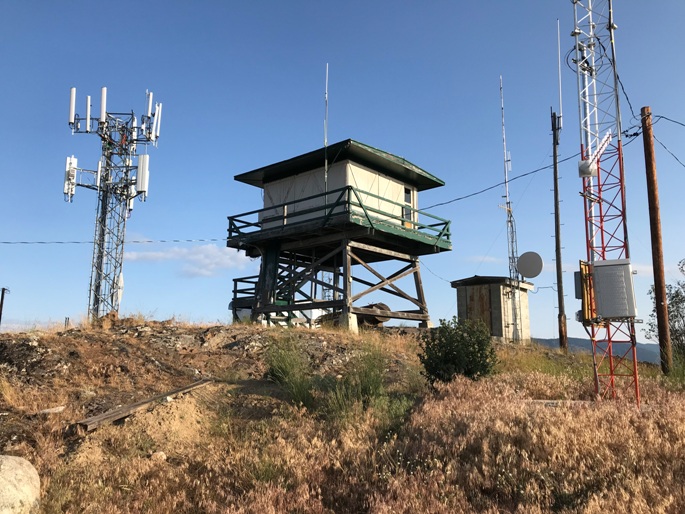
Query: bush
289, 367
457, 348
362, 384
675, 298
367, 373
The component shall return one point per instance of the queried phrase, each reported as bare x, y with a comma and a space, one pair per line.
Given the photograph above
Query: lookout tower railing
340, 206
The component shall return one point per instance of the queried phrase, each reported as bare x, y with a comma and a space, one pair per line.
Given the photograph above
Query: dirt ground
84, 372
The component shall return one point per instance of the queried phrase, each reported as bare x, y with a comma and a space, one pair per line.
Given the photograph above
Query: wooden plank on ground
121, 412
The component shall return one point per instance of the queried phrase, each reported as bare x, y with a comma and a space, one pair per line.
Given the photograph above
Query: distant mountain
646, 352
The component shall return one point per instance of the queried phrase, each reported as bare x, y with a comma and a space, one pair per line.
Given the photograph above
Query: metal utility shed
326, 214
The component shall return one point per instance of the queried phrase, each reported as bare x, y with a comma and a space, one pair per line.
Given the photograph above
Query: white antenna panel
158, 119
98, 175
134, 134
88, 114
72, 105
103, 105
143, 175
70, 177
120, 287
149, 103
152, 127
131, 198
71, 163
153, 132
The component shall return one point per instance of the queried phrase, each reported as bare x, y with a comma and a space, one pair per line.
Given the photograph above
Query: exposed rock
19, 486
22, 355
183, 341
158, 456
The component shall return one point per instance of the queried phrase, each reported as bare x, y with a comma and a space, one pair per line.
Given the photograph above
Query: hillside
351, 428
646, 352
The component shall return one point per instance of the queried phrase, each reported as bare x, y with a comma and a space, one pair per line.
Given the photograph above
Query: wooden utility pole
563, 336
660, 299
2, 300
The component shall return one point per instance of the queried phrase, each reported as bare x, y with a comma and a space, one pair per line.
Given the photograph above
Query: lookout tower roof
378, 160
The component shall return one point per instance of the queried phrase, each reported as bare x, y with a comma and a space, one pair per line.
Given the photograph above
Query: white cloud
483, 258
196, 261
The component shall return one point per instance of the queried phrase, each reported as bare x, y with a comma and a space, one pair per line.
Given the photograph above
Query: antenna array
511, 234
122, 174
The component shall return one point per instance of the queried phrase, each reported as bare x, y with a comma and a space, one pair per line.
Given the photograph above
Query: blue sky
242, 85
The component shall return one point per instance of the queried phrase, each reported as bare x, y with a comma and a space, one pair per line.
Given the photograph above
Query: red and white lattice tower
608, 299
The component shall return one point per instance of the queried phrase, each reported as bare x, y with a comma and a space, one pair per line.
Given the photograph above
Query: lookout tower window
407, 209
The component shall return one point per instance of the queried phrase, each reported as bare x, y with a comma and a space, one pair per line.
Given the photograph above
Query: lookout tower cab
336, 225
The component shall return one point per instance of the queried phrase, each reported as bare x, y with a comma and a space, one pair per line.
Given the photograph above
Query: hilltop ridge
529, 438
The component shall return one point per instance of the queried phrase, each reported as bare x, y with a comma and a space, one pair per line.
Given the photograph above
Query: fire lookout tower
330, 235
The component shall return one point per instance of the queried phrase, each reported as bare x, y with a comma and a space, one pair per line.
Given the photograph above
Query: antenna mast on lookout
118, 180
511, 233
328, 278
325, 138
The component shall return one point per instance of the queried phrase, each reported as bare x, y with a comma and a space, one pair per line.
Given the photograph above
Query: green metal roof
384, 162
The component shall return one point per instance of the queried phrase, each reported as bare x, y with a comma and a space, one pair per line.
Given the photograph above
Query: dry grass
495, 445
10, 395
487, 447
28, 399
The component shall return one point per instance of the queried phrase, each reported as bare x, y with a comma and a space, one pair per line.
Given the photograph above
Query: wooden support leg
419, 294
348, 319
267, 278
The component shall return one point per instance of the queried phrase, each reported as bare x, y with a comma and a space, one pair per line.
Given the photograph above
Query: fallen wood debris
121, 412
52, 410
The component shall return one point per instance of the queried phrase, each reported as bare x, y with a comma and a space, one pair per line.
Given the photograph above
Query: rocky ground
82, 372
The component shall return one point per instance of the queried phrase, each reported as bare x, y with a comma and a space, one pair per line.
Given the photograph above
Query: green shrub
457, 348
363, 383
289, 367
676, 378
341, 401
368, 370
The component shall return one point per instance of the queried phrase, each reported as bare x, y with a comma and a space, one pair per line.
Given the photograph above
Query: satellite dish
529, 265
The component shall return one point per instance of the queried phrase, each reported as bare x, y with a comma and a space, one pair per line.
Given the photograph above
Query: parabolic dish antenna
529, 265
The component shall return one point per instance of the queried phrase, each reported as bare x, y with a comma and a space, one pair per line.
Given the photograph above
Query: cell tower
608, 312
118, 181
511, 233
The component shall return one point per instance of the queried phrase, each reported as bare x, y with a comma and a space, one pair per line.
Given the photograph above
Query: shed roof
376, 159
477, 280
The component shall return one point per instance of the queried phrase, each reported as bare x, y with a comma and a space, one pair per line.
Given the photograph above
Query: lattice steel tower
606, 278
118, 181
